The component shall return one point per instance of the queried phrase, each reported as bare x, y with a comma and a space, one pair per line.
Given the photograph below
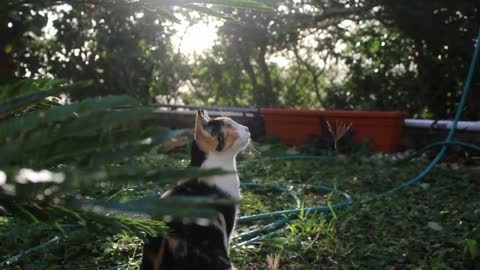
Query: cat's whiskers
253, 150
255, 145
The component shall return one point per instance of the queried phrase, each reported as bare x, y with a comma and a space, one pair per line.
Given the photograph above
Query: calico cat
196, 246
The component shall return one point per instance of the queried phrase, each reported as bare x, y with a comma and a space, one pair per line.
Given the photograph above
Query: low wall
179, 117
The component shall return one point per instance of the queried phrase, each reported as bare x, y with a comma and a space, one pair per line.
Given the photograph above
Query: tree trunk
7, 67
247, 65
270, 97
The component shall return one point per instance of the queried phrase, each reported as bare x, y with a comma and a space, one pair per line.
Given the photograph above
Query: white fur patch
229, 183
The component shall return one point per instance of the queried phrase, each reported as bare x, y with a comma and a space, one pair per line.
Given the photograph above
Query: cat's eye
229, 125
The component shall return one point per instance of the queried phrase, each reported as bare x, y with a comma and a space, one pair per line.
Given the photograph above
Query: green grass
433, 225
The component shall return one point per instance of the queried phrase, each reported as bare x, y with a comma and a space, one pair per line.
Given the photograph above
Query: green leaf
20, 103
176, 207
74, 138
435, 226
22, 124
89, 148
31, 183
168, 136
166, 14
22, 88
128, 151
248, 4
471, 247
211, 12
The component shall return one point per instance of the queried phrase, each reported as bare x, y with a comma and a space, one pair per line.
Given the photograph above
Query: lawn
432, 225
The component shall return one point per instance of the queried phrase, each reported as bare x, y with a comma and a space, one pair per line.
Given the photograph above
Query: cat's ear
204, 115
204, 139
201, 118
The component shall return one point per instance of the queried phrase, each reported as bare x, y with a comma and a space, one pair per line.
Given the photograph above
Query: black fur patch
221, 142
216, 129
197, 188
203, 246
197, 155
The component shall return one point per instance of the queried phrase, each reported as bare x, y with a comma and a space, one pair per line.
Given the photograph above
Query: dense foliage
101, 41
374, 55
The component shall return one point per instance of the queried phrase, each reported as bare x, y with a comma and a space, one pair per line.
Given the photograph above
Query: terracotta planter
294, 127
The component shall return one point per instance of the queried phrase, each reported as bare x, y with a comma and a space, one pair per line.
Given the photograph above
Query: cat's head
219, 135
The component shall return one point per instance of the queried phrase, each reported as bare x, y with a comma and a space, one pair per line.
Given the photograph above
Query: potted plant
294, 126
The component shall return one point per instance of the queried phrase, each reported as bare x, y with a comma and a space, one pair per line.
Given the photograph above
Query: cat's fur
191, 245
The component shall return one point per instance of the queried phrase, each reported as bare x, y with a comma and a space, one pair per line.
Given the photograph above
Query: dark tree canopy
371, 54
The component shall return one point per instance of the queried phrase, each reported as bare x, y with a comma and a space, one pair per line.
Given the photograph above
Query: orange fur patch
204, 140
231, 135
173, 245
207, 145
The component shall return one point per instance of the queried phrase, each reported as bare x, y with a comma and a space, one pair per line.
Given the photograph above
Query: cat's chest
227, 183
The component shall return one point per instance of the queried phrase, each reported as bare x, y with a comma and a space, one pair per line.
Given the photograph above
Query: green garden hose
287, 215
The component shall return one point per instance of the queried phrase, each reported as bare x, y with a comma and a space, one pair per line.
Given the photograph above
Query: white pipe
442, 124
212, 113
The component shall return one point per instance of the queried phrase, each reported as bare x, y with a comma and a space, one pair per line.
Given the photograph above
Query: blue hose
288, 214
449, 140
15, 258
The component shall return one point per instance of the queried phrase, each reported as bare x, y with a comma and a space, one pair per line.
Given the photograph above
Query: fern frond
21, 103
